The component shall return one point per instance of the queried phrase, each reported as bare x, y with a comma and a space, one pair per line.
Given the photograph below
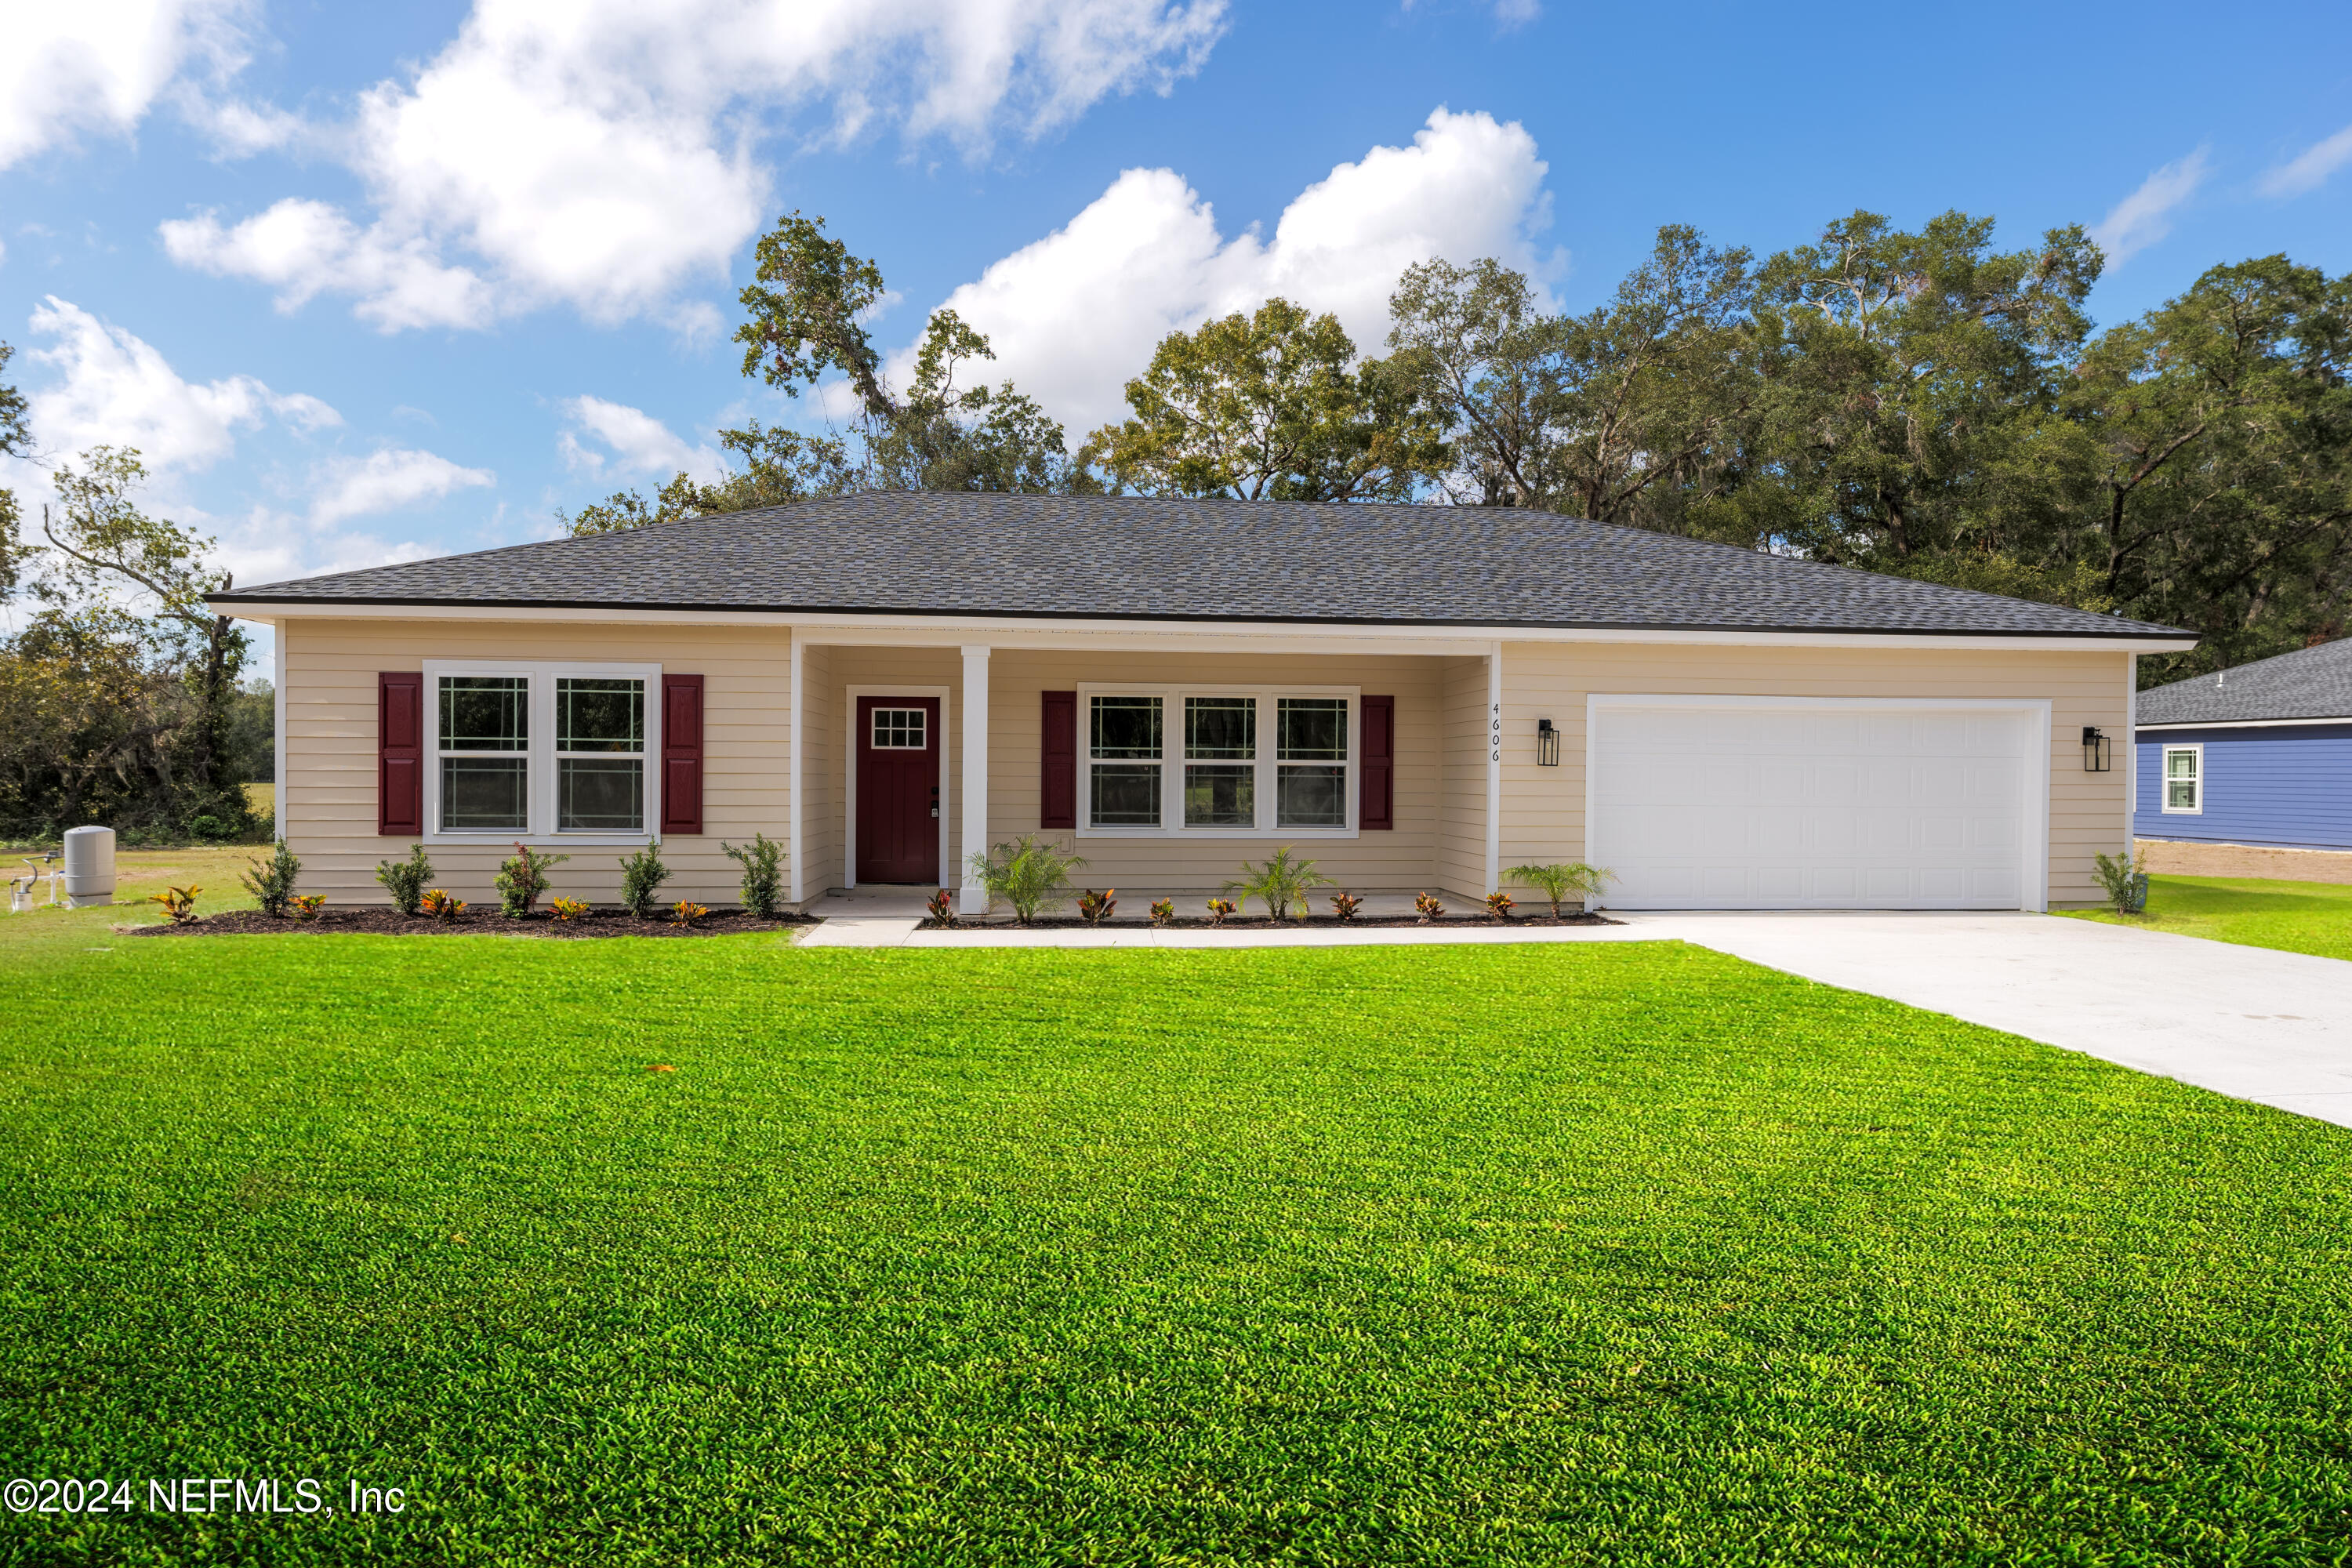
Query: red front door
898, 789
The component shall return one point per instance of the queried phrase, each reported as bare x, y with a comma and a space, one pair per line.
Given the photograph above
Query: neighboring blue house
2259, 755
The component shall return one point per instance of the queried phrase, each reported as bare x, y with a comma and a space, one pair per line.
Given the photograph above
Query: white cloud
1073, 316
600, 152
75, 66
636, 441
2145, 217
302, 247
114, 387
387, 482
2309, 169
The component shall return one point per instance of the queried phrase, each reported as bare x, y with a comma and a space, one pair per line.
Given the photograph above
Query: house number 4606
1495, 735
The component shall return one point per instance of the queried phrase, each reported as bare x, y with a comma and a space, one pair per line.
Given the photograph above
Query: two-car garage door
1828, 803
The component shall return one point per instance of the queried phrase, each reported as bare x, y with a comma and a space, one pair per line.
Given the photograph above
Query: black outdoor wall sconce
1547, 745
2094, 750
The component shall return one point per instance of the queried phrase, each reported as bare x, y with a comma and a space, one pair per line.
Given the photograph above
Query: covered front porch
1166, 762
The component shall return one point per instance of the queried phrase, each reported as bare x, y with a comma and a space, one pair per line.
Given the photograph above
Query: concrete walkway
2272, 1027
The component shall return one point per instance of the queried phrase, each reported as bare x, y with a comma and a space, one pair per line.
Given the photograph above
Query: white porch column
973, 898
1494, 769
799, 784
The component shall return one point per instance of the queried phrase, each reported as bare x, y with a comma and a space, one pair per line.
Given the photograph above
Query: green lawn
1541, 1255
2298, 917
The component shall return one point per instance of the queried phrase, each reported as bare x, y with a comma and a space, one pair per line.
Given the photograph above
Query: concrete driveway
2275, 1027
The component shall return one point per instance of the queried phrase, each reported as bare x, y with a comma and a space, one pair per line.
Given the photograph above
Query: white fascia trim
1037, 633
2242, 723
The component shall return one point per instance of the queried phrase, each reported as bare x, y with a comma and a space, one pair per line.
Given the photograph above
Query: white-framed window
541, 750
1218, 760
900, 729
2184, 780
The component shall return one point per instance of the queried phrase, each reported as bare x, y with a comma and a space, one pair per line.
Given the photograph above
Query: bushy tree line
120, 700
1917, 402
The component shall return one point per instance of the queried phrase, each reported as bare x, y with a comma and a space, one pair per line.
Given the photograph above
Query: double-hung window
1218, 760
1123, 754
2184, 779
600, 754
541, 750
485, 753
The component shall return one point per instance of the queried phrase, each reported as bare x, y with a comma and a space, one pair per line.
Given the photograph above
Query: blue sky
371, 283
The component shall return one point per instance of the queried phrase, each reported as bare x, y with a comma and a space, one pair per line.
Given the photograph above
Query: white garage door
1828, 804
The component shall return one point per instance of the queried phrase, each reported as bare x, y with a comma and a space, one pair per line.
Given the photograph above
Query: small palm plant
1279, 884
1029, 875
1563, 882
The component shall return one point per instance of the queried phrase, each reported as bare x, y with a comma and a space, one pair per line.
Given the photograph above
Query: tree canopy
1920, 402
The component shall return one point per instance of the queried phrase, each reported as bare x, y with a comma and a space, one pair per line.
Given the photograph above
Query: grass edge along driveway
2292, 917
1605, 1254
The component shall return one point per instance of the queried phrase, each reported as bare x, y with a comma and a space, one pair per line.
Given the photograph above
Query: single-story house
1418, 698
2248, 772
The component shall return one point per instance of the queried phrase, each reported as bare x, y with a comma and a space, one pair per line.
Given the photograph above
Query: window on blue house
2184, 779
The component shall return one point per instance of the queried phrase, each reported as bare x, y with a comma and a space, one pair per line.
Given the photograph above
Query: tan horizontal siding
328, 794
1543, 814
1462, 859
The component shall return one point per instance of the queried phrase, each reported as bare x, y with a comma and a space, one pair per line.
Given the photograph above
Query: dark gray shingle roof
1132, 557
2313, 683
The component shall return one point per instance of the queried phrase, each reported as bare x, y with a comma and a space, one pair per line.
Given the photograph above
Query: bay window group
1218, 761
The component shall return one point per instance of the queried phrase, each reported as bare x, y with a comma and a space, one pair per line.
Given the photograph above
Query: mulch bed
372, 921
1260, 922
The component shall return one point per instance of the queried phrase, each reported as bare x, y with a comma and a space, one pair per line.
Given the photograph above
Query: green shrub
523, 877
1280, 883
271, 881
405, 880
2124, 877
764, 877
1564, 880
1029, 875
642, 875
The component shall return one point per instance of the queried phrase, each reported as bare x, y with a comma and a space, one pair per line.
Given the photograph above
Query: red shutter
1377, 772
681, 779
1057, 782
399, 753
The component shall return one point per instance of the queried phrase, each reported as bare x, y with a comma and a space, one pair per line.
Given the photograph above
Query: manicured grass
2298, 917
1538, 1255
139, 874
